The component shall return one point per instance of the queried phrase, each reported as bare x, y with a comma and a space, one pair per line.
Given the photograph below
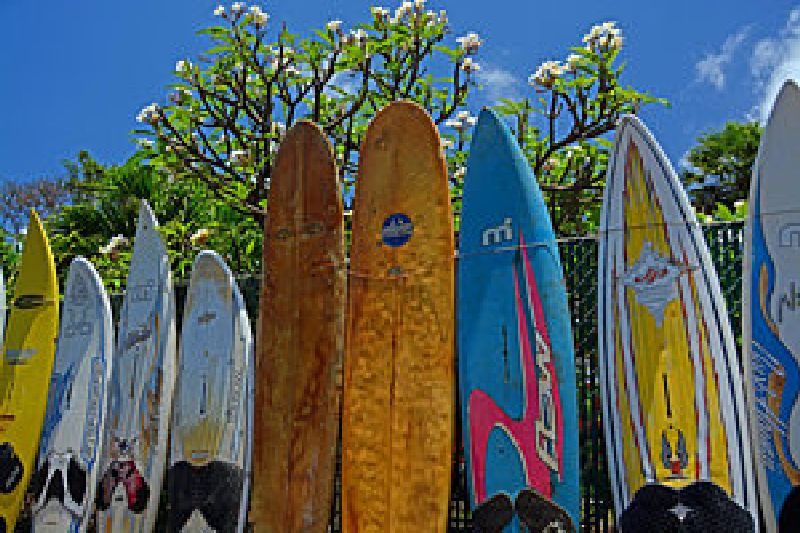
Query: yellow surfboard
26, 366
397, 422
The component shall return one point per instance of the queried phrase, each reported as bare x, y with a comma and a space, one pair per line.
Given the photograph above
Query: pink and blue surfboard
516, 357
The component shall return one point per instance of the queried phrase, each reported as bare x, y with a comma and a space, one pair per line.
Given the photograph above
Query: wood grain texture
399, 366
298, 363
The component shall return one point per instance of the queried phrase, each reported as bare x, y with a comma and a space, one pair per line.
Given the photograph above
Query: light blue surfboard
516, 358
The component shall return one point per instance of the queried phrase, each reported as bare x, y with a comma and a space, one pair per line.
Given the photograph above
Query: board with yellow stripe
671, 380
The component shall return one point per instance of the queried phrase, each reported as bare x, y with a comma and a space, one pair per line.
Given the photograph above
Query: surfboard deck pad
539, 514
493, 515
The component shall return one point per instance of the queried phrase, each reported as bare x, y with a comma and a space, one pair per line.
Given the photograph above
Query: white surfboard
771, 309
671, 383
64, 483
211, 432
141, 387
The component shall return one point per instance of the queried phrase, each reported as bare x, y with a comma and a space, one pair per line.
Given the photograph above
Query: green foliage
722, 213
720, 166
101, 221
561, 128
229, 110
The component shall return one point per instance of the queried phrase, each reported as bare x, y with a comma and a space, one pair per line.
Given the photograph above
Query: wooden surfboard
671, 382
771, 292
298, 373
28, 353
210, 441
516, 359
64, 483
141, 386
398, 415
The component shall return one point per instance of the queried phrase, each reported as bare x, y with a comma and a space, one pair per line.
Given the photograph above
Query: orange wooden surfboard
298, 361
398, 412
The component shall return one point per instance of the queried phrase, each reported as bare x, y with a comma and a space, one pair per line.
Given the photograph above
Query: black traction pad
704, 508
11, 468
493, 515
540, 514
215, 490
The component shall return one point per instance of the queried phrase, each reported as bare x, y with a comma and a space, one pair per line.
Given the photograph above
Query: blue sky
73, 75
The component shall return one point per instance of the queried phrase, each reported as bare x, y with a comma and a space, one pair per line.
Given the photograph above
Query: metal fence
579, 259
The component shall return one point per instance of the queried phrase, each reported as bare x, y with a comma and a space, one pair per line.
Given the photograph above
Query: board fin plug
493, 515
539, 513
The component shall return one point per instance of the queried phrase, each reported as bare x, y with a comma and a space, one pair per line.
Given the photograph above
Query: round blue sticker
397, 230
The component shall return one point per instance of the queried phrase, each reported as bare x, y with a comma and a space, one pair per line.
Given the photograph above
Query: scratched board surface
516, 359
398, 413
140, 390
671, 382
64, 483
28, 352
301, 342
210, 439
771, 295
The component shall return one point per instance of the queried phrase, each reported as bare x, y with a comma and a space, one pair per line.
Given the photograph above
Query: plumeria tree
562, 127
228, 110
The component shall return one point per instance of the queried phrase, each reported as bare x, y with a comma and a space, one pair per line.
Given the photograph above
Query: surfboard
770, 295
140, 390
302, 324
3, 308
28, 352
63, 485
211, 438
516, 358
398, 414
671, 383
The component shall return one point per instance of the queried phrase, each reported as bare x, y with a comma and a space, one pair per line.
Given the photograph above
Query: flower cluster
462, 121
603, 37
113, 246
470, 43
200, 237
149, 115
547, 73
238, 157
412, 12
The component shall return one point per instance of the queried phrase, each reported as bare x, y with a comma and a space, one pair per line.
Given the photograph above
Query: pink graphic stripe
485, 415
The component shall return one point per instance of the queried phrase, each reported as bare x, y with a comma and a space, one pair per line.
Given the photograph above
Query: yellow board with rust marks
27, 362
398, 410
672, 387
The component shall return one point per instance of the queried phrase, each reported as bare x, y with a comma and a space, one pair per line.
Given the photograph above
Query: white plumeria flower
183, 65
547, 73
149, 114
459, 173
463, 114
573, 61
442, 16
116, 242
219, 11
274, 63
291, 70
238, 7
454, 123
359, 36
616, 42
334, 25
259, 17
145, 143
379, 12
419, 5
278, 128
447, 143
469, 65
200, 236
238, 156
470, 43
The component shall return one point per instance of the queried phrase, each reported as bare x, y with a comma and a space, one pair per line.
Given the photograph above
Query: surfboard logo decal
397, 230
538, 434
653, 279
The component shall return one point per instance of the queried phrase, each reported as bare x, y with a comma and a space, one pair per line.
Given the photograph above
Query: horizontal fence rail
579, 260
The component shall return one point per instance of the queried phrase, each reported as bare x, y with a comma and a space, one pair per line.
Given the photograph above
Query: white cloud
712, 67
775, 60
498, 83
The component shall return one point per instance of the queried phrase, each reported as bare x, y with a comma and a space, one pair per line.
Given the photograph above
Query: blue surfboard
516, 357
